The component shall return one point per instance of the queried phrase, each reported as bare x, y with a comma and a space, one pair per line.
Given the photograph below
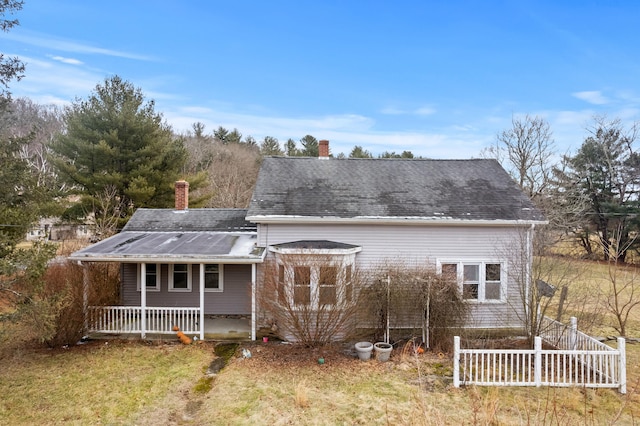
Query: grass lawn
125, 382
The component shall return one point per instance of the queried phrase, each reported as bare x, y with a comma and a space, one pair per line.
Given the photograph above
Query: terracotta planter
383, 351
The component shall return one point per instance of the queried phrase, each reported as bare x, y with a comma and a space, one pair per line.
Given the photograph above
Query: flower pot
364, 350
383, 351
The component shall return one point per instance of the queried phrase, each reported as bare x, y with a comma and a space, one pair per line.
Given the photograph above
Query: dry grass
129, 382
99, 383
590, 285
141, 383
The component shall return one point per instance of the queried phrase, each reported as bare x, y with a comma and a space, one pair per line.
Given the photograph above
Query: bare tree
542, 279
310, 299
622, 291
106, 209
526, 151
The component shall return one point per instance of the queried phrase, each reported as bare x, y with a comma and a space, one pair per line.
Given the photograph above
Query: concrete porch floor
227, 329
215, 328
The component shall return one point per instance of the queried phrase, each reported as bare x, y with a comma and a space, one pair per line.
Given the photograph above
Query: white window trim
158, 278
482, 279
341, 262
189, 280
220, 288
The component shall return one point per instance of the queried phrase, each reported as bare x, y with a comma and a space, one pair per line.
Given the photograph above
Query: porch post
253, 301
456, 361
622, 365
85, 295
202, 301
143, 300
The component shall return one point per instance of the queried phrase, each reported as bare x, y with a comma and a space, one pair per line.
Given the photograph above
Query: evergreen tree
309, 146
270, 146
359, 152
116, 140
290, 148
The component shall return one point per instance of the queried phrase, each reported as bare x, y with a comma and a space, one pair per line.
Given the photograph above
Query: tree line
116, 154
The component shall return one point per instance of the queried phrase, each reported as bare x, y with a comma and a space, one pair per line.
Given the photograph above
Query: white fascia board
309, 251
168, 259
385, 220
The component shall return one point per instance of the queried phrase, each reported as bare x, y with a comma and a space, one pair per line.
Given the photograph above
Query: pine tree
116, 140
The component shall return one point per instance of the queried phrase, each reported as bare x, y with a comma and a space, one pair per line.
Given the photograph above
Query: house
462, 216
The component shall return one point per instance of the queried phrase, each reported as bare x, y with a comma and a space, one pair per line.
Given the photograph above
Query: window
470, 282
152, 277
479, 281
282, 292
348, 284
180, 277
316, 285
213, 281
328, 285
301, 285
492, 283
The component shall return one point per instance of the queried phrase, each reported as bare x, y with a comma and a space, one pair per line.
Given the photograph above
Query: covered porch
198, 280
125, 321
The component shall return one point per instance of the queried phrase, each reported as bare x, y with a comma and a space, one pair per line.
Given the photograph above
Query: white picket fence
579, 360
127, 319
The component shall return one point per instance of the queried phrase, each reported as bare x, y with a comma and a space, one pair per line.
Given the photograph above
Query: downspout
253, 301
202, 301
143, 300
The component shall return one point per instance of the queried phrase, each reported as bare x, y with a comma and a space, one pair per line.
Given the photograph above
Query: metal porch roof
175, 247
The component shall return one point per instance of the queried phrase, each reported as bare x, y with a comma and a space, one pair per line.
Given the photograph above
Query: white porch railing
596, 367
127, 319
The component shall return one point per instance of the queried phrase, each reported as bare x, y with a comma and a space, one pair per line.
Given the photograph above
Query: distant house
461, 216
51, 229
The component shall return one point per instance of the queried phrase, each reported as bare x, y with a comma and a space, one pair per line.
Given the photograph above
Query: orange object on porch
183, 337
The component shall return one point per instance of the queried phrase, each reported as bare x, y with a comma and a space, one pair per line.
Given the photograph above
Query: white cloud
343, 131
54, 43
593, 97
422, 111
425, 111
54, 80
64, 60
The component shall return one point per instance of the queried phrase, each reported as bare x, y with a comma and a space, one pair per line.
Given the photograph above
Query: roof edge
386, 220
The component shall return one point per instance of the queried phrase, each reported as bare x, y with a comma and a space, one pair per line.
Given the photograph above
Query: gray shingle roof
168, 220
477, 189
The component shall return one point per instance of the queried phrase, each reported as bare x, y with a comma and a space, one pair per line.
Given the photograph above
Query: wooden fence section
541, 367
128, 319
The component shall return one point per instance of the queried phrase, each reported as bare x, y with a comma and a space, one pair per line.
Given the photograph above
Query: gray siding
235, 299
426, 244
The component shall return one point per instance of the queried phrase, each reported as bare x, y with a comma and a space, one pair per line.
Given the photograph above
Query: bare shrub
68, 278
310, 299
413, 297
53, 313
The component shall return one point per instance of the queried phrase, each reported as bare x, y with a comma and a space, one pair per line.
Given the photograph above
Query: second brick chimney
323, 149
182, 195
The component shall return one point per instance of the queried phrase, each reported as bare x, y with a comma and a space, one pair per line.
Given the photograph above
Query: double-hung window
213, 278
478, 281
328, 285
152, 277
180, 277
301, 285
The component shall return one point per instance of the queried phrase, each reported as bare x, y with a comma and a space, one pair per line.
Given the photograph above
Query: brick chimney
323, 149
182, 195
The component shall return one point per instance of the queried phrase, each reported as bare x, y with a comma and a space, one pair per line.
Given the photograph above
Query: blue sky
440, 79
